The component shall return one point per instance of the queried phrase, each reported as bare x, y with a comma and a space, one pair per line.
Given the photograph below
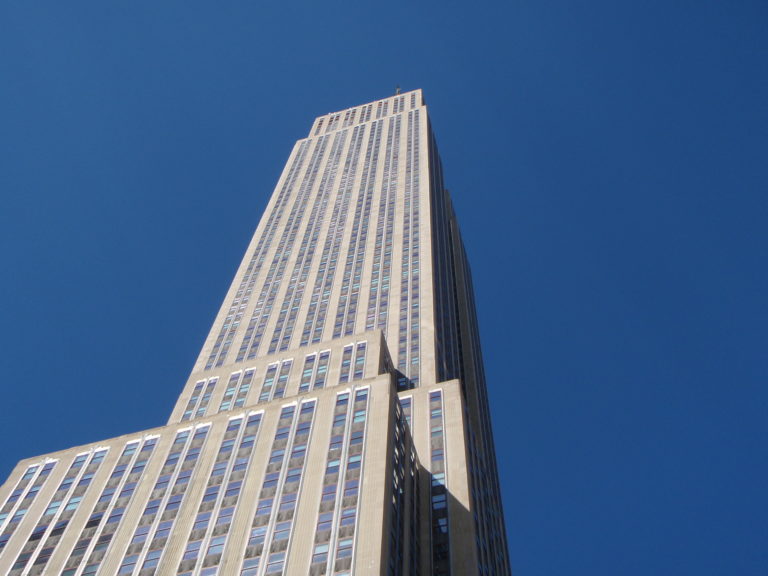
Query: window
163, 529
192, 550
152, 560
264, 507
282, 530
128, 565
257, 536
320, 554
275, 563
140, 535
324, 521
201, 521
344, 549
348, 516
217, 545
225, 516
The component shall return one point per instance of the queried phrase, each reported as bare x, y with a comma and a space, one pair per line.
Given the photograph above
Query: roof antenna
397, 90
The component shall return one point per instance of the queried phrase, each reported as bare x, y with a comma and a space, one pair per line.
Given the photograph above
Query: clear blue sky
608, 163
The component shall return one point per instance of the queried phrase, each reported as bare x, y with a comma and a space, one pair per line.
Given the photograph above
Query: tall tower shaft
336, 420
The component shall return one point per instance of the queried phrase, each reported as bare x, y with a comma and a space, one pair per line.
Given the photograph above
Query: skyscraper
336, 420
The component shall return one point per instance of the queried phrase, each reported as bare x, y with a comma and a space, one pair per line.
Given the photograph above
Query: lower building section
349, 477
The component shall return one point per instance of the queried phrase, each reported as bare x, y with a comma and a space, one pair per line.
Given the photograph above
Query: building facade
336, 420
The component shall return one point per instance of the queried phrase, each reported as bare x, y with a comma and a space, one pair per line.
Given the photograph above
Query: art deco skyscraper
336, 420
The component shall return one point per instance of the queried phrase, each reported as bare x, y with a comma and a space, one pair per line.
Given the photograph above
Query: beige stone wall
411, 101
462, 408
371, 528
376, 351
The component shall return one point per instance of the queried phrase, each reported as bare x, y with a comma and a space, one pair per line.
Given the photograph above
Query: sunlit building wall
336, 420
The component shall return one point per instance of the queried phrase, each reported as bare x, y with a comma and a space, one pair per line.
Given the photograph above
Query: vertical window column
60, 508
346, 520
328, 500
397, 523
214, 517
151, 535
263, 309
339, 505
441, 560
315, 371
245, 387
406, 403
322, 370
295, 292
282, 379
229, 393
242, 297
278, 495
408, 338
193, 400
282, 522
307, 373
206, 398
378, 300
350, 288
96, 536
274, 381
237, 390
201, 397
346, 363
19, 501
321, 292
353, 368
359, 370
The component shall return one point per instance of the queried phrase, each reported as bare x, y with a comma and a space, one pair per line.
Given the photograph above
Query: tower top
400, 102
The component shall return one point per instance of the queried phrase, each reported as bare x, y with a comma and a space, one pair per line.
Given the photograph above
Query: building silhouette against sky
336, 420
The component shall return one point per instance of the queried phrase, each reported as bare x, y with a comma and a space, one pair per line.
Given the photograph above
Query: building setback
336, 420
